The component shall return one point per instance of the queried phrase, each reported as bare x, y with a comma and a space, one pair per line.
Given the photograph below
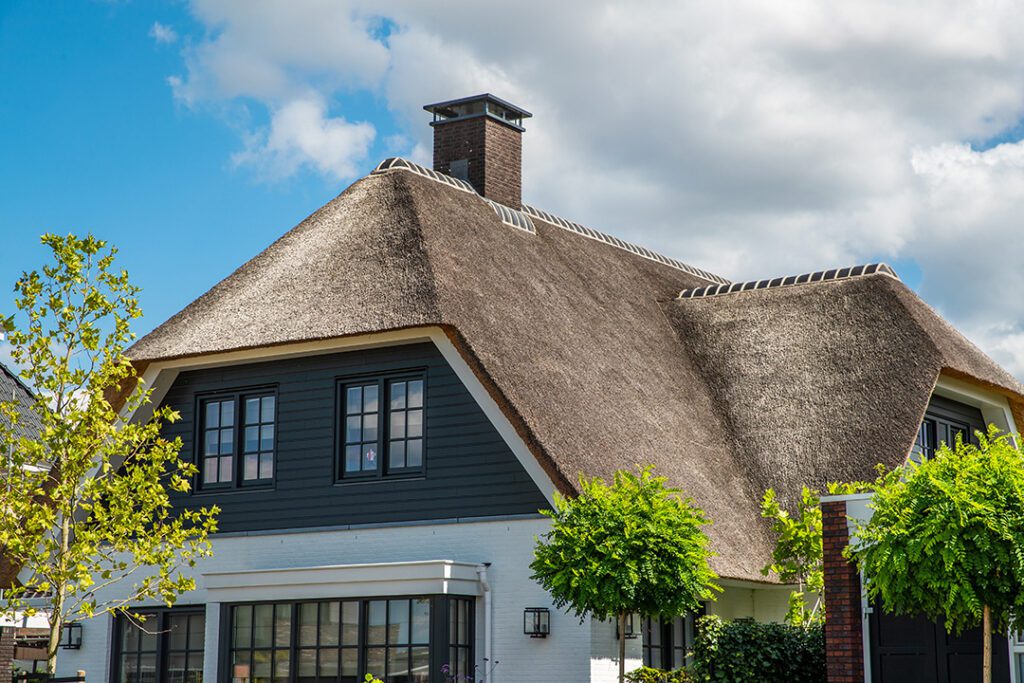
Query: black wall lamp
537, 622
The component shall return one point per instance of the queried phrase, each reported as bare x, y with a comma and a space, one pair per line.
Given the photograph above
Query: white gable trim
161, 375
994, 407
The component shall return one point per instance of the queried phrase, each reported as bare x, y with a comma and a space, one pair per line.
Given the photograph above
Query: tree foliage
85, 505
797, 557
635, 546
946, 536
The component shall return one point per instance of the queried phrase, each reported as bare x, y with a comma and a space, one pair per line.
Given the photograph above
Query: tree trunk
52, 644
622, 647
986, 650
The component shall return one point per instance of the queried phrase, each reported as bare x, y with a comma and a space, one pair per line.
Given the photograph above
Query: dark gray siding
469, 470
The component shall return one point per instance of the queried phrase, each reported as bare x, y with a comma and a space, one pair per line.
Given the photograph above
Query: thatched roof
584, 342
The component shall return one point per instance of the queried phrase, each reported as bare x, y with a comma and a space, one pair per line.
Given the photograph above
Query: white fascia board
994, 407
430, 577
161, 374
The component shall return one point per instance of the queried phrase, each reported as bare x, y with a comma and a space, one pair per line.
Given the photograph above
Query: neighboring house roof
587, 345
13, 389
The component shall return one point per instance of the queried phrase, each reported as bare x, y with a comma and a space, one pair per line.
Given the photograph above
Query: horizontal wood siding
469, 470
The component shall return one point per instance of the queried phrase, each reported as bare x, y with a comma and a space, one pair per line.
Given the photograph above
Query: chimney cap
484, 104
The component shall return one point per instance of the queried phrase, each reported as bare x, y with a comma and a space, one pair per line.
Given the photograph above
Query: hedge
744, 650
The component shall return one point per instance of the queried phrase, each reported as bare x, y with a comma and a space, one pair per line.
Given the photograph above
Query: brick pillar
844, 650
6, 653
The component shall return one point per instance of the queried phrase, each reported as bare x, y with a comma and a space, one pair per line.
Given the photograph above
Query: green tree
85, 503
797, 557
635, 546
946, 538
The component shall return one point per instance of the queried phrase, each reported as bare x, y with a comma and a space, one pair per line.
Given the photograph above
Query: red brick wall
494, 152
6, 653
843, 635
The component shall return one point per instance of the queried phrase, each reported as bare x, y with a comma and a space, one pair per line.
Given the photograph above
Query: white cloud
163, 34
302, 134
753, 138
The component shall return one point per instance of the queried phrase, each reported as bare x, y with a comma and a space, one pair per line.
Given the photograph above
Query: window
164, 647
944, 421
382, 423
399, 640
667, 642
237, 450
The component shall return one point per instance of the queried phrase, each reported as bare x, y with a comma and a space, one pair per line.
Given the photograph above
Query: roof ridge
521, 219
791, 280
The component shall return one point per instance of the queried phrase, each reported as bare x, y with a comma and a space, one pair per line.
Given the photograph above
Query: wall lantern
537, 622
630, 627
71, 636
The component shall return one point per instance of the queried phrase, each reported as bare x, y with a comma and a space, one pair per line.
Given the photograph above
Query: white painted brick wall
573, 651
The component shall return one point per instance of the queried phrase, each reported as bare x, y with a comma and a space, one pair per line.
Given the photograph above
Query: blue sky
750, 139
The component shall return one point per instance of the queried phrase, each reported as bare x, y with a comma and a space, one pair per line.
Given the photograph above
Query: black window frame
439, 628
670, 653
384, 442
156, 623
238, 453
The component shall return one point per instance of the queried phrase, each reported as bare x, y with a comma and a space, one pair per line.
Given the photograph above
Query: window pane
370, 427
129, 636
243, 626
266, 465
330, 622
250, 466
415, 419
398, 664
210, 470
369, 458
267, 409
370, 398
350, 623
307, 624
376, 622
463, 622
307, 665
353, 433
352, 458
252, 439
420, 665
261, 664
213, 414
225, 468
195, 667
398, 396
177, 636
398, 622
212, 443
227, 441
283, 626
252, 411
397, 430
147, 669
349, 663
354, 401
421, 620
227, 413
396, 456
263, 622
416, 394
241, 667
267, 438
282, 665
328, 664
375, 661
414, 453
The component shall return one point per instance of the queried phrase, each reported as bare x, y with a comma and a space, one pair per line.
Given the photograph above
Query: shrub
646, 674
744, 650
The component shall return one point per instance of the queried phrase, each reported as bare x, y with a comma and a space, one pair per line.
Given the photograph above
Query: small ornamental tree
85, 515
635, 546
946, 538
798, 557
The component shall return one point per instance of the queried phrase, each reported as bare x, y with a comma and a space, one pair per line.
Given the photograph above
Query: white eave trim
428, 577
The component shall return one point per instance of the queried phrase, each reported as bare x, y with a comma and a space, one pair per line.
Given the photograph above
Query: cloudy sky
749, 138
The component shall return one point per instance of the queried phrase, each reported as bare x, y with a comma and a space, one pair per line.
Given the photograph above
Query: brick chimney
477, 139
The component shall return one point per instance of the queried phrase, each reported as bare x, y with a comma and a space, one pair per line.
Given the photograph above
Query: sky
751, 139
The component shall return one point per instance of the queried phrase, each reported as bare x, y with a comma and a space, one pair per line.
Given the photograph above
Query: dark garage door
912, 650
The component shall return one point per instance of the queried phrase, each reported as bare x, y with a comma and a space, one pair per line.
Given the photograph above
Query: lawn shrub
646, 674
744, 650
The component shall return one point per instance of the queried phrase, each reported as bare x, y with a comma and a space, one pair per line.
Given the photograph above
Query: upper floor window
237, 438
944, 421
382, 427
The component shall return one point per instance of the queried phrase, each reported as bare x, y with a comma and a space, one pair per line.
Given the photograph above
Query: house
382, 399
20, 634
